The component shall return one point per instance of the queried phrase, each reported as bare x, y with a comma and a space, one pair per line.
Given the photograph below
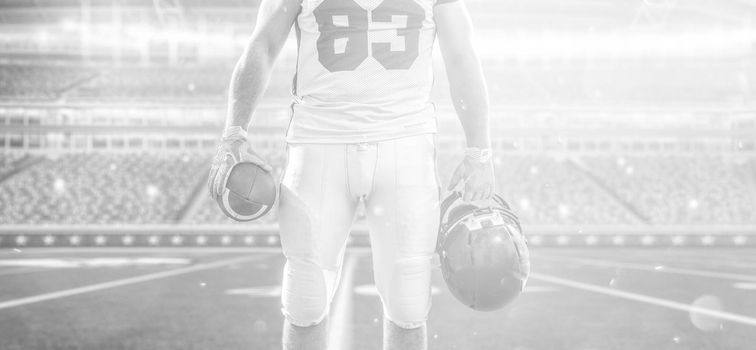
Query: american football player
362, 129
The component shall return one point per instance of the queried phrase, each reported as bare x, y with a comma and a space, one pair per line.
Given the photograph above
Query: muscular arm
468, 86
248, 82
469, 95
252, 71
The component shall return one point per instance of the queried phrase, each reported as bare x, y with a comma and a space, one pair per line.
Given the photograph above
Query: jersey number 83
349, 33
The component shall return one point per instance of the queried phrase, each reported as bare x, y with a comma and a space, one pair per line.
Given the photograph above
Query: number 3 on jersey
344, 43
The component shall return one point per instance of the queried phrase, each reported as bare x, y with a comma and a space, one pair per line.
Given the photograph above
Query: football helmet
483, 253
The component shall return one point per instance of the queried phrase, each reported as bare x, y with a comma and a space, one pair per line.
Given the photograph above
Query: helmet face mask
484, 258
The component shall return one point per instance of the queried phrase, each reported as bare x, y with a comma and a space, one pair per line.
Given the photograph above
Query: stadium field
228, 298
618, 135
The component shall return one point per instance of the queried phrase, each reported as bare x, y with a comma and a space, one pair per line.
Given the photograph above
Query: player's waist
313, 125
362, 109
297, 135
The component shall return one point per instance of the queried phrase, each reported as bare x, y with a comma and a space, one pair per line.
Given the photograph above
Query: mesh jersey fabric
364, 71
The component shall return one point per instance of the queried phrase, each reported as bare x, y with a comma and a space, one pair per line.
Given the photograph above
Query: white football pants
320, 191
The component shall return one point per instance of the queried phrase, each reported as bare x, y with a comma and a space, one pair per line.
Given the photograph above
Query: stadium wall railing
27, 236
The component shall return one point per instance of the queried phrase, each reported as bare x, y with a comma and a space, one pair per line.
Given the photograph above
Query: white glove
233, 149
476, 172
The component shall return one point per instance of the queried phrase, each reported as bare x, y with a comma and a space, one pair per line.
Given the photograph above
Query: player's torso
364, 70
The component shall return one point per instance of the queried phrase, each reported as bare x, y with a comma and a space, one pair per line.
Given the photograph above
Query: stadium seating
546, 190
39, 82
103, 84
138, 188
696, 189
10, 162
101, 189
135, 83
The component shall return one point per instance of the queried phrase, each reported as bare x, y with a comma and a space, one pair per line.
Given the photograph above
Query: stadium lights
564, 211
145, 33
152, 191
69, 25
138, 31
175, 35
59, 185
524, 204
42, 36
546, 46
557, 45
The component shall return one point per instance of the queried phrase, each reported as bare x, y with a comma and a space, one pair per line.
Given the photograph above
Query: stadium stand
39, 82
699, 189
156, 188
184, 84
107, 187
101, 188
10, 163
169, 83
548, 190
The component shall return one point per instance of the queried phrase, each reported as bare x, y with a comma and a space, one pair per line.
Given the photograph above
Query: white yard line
695, 257
340, 330
122, 282
732, 260
661, 268
727, 316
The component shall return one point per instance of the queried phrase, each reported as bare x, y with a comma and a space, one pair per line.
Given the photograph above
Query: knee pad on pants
407, 300
307, 292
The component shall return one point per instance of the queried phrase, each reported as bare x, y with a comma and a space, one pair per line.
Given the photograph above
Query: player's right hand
233, 148
478, 178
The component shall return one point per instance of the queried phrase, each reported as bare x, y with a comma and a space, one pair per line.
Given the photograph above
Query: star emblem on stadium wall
21, 240
127, 240
48, 240
535, 240
563, 240
249, 240
272, 240
678, 240
648, 240
226, 240
153, 240
591, 240
100, 240
200, 240
708, 240
618, 240
74, 240
740, 240
176, 240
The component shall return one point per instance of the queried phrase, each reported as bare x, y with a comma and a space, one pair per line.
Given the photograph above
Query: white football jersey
364, 71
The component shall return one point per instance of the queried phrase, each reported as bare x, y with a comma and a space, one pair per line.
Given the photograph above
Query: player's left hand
478, 177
